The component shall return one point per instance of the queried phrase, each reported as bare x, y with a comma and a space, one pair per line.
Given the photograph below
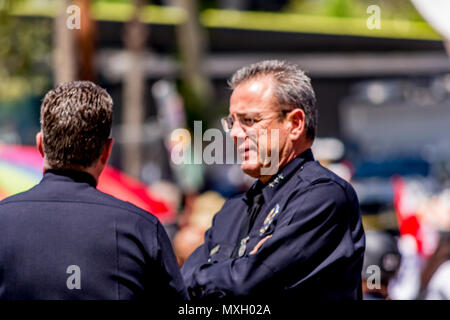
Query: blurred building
360, 75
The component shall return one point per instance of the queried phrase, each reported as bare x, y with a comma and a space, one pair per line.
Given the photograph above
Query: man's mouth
245, 152
243, 149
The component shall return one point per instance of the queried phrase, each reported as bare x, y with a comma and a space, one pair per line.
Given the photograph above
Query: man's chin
251, 169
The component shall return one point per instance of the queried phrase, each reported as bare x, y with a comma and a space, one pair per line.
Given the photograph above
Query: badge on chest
269, 219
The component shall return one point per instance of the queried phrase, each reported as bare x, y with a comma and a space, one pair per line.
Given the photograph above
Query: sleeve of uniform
162, 277
172, 284
313, 236
190, 266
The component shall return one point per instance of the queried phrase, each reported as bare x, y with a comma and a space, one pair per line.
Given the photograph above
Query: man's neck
284, 161
89, 170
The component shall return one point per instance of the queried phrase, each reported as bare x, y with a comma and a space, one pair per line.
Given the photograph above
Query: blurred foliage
390, 9
194, 104
25, 46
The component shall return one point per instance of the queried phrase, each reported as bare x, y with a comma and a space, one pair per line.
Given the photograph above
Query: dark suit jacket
64, 239
315, 252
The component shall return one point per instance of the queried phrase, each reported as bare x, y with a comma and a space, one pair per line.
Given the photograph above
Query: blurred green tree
25, 46
391, 9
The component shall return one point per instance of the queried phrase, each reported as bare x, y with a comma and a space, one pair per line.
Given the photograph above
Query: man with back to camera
297, 232
64, 239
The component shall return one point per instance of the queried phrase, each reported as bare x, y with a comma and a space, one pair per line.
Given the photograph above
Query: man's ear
107, 151
297, 120
40, 144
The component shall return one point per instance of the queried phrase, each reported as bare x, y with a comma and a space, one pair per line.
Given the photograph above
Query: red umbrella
21, 169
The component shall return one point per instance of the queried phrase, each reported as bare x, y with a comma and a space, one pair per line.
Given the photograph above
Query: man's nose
237, 131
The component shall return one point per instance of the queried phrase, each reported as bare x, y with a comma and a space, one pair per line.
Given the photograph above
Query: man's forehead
257, 84
253, 95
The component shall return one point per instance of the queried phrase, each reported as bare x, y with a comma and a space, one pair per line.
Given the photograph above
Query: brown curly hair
76, 119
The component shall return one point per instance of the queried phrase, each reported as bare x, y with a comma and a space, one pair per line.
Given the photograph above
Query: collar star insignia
276, 180
214, 250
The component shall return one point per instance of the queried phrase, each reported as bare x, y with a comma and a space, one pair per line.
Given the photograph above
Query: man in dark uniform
297, 232
64, 239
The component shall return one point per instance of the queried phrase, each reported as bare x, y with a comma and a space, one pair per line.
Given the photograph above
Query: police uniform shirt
315, 250
64, 239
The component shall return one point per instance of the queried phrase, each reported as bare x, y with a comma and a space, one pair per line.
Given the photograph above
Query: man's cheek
252, 138
253, 156
271, 156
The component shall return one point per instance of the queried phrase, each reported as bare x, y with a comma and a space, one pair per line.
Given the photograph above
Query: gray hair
292, 88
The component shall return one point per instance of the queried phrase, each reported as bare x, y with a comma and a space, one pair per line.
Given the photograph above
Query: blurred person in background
435, 278
199, 219
64, 239
171, 194
381, 263
424, 246
297, 232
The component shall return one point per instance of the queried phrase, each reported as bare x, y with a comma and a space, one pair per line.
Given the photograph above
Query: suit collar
278, 179
74, 175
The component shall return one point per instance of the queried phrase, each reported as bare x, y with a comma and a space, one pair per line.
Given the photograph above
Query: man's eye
248, 121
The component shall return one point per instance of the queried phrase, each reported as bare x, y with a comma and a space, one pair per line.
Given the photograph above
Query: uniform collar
278, 179
74, 175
